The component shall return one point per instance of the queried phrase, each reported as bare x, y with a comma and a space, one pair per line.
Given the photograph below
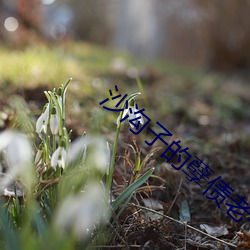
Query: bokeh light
58, 31
48, 2
11, 24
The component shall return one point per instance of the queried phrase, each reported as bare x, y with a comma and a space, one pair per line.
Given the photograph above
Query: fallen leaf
214, 230
152, 204
245, 236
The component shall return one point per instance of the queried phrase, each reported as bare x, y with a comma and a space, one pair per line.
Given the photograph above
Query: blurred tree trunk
28, 13
229, 34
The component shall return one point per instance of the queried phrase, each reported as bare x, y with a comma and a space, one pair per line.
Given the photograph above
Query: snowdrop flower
79, 214
59, 97
59, 157
54, 121
98, 152
42, 122
17, 152
130, 112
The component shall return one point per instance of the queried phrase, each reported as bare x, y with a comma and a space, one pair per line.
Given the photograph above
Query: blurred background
212, 34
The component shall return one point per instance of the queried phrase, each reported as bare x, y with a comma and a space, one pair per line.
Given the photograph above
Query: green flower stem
112, 164
65, 87
46, 147
54, 142
47, 140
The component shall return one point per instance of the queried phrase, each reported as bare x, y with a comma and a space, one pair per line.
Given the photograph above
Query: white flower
79, 214
17, 152
59, 158
59, 99
42, 122
54, 121
98, 152
130, 111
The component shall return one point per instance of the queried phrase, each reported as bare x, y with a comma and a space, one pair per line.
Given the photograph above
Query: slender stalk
47, 140
54, 142
112, 164
65, 87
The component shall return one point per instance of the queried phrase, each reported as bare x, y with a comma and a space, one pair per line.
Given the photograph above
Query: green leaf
39, 222
65, 87
122, 209
185, 212
128, 191
11, 237
138, 163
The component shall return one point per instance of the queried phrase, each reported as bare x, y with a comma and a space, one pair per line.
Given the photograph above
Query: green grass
41, 64
90, 67
34, 65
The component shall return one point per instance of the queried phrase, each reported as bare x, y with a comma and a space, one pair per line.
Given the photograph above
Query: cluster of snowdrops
65, 185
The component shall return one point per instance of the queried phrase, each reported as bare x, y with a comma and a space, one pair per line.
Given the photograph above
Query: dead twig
178, 191
117, 246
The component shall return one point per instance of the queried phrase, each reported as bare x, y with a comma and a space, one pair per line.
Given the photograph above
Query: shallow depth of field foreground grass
207, 112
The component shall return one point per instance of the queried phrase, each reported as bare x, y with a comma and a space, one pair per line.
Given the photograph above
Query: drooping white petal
101, 154
98, 152
77, 148
63, 159
42, 121
79, 214
59, 157
134, 116
141, 119
125, 113
55, 156
131, 125
19, 151
5, 139
18, 156
130, 111
54, 124
46, 112
39, 123
44, 127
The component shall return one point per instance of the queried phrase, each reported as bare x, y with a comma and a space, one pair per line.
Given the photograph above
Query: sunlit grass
41, 64
90, 66
37, 65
